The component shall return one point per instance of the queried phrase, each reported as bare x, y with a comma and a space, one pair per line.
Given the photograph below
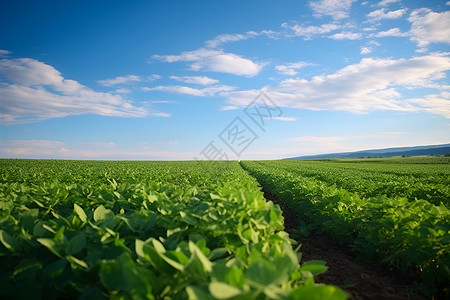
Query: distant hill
387, 152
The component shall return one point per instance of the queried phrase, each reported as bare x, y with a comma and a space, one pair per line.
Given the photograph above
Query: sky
183, 80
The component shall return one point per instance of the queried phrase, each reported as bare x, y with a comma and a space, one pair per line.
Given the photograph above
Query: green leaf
214, 196
197, 293
10, 242
221, 290
91, 293
80, 212
101, 213
111, 275
56, 268
153, 252
316, 267
196, 252
27, 269
51, 245
217, 253
314, 292
123, 274
76, 244
75, 262
152, 198
263, 273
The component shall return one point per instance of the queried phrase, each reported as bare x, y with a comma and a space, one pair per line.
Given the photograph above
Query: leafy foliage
145, 230
410, 233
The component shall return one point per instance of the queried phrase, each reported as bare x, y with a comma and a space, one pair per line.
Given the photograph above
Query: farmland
145, 230
203, 230
393, 209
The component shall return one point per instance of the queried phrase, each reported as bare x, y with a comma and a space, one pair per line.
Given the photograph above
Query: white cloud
309, 31
337, 9
32, 90
372, 42
122, 91
186, 90
381, 14
366, 50
163, 102
429, 27
447, 3
345, 35
98, 144
421, 50
229, 107
27, 147
95, 150
160, 114
436, 103
203, 80
4, 53
387, 2
291, 68
216, 61
127, 79
391, 32
284, 119
226, 38
372, 84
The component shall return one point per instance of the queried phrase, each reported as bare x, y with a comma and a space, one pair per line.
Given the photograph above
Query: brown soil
360, 279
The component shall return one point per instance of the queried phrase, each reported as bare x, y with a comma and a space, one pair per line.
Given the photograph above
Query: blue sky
167, 80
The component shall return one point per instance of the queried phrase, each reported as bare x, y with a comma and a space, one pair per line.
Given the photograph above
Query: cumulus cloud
381, 14
345, 35
291, 68
372, 84
429, 27
225, 38
366, 50
435, 103
387, 2
284, 119
391, 32
31, 90
127, 79
203, 80
4, 53
229, 107
337, 9
186, 90
216, 61
309, 31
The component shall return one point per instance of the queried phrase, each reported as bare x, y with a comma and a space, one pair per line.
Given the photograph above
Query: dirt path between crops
362, 280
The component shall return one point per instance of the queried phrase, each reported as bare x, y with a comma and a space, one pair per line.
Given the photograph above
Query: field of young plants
393, 209
145, 230
203, 230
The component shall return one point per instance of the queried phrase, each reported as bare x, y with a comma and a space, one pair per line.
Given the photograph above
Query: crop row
145, 230
410, 234
426, 178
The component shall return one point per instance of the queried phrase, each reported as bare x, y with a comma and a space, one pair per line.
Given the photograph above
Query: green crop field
203, 230
393, 209
145, 230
